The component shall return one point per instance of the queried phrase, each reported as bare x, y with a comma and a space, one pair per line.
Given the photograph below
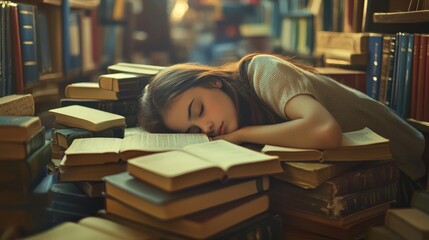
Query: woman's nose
207, 127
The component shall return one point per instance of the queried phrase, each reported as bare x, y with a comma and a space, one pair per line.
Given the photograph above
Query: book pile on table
341, 196
24, 155
117, 91
180, 193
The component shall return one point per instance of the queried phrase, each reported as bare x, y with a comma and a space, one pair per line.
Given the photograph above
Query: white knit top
276, 81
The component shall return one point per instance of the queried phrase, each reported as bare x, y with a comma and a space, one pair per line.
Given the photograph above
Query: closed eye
201, 110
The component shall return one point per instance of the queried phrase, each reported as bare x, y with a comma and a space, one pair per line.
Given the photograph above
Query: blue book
400, 72
405, 107
392, 94
375, 52
72, 57
27, 31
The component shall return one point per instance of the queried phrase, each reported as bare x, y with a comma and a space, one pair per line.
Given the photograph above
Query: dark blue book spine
27, 31
36, 142
65, 10
405, 106
391, 67
400, 72
374, 68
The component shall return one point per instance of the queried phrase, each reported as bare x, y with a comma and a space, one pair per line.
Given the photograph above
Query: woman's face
198, 109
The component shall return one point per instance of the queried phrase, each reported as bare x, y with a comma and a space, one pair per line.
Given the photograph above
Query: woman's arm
311, 126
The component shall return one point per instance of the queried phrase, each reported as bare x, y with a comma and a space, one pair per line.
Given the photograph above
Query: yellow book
17, 105
361, 145
201, 163
410, 223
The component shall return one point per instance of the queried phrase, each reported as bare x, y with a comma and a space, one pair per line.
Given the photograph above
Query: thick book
87, 118
361, 177
410, 223
17, 105
336, 207
415, 74
355, 42
119, 82
144, 69
124, 107
21, 150
28, 36
361, 145
202, 163
25, 174
88, 172
92, 90
18, 128
374, 70
164, 205
199, 225
99, 150
91, 228
420, 200
311, 174
17, 73
64, 137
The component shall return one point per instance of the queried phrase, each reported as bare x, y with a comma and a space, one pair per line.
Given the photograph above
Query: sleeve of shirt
276, 81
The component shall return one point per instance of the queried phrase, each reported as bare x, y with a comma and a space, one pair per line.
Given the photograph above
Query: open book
98, 150
201, 163
361, 145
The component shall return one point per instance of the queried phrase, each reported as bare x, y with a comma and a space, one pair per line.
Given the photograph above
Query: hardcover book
164, 205
119, 82
21, 150
199, 225
361, 145
201, 163
65, 136
144, 69
17, 105
410, 223
18, 128
88, 172
311, 174
87, 118
92, 90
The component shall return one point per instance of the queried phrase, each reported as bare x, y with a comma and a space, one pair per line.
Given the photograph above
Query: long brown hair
174, 80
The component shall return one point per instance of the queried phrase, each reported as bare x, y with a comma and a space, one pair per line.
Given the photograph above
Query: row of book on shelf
397, 66
185, 185
49, 41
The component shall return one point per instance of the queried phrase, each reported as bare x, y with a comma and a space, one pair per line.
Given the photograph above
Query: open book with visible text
359, 145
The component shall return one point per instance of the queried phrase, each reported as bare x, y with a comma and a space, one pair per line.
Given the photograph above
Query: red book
426, 80
421, 88
415, 72
17, 75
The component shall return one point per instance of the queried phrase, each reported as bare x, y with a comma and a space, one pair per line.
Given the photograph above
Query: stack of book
24, 184
405, 223
343, 48
116, 92
340, 197
201, 191
81, 123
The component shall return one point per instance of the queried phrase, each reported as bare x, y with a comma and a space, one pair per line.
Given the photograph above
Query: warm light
179, 10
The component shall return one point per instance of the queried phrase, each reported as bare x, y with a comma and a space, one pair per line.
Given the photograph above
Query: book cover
65, 136
375, 48
144, 69
18, 128
400, 73
87, 118
17, 105
386, 65
164, 205
21, 150
92, 90
17, 72
351, 41
311, 174
201, 163
405, 108
361, 145
421, 85
410, 223
415, 72
334, 208
28, 36
426, 75
119, 82
200, 225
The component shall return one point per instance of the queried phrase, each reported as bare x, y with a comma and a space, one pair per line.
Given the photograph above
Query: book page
94, 145
226, 154
362, 137
161, 141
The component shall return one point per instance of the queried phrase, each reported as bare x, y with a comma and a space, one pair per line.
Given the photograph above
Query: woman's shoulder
267, 62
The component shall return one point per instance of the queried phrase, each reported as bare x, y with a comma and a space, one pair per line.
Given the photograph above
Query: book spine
391, 67
385, 66
27, 31
421, 86
25, 173
360, 180
414, 84
404, 111
426, 77
374, 68
35, 142
6, 61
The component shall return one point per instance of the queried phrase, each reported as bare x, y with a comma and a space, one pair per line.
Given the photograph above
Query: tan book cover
199, 225
410, 223
201, 163
17, 105
122, 81
87, 118
18, 128
361, 145
89, 90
